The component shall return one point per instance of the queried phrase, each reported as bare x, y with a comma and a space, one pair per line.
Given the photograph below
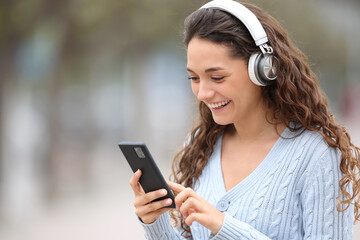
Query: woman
266, 160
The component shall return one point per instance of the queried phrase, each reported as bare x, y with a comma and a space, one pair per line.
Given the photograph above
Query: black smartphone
138, 156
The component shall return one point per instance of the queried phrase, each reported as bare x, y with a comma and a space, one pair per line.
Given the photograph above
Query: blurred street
77, 77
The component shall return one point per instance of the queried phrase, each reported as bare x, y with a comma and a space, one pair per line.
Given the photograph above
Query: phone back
138, 156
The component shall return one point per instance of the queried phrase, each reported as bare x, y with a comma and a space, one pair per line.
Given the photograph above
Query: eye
193, 78
217, 78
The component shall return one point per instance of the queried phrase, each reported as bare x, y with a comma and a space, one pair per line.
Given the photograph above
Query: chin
222, 122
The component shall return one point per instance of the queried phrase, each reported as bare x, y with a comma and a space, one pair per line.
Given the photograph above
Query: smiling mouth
218, 105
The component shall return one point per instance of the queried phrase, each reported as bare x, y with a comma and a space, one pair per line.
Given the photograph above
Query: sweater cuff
234, 229
156, 229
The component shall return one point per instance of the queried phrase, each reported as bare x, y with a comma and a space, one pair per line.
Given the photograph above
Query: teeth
217, 105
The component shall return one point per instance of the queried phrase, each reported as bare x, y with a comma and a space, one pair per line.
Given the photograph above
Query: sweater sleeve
161, 229
233, 229
321, 220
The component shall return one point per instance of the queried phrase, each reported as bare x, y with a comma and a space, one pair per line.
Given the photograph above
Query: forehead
204, 46
203, 54
207, 52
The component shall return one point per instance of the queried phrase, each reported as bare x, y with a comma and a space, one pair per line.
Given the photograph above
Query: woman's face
222, 82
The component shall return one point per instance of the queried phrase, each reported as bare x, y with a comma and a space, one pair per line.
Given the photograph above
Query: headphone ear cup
267, 68
252, 69
261, 69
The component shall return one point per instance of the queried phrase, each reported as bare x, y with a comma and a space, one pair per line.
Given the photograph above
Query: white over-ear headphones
261, 67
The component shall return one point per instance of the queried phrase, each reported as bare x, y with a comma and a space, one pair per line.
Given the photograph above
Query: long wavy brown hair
295, 97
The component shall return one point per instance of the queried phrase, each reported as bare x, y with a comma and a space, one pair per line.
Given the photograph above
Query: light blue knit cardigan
290, 195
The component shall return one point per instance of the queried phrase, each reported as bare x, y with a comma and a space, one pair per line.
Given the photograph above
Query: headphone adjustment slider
266, 49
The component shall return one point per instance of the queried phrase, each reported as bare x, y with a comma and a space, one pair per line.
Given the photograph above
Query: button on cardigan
290, 195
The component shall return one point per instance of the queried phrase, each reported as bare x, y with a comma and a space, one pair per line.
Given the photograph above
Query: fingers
150, 212
146, 208
192, 210
190, 206
134, 183
193, 217
152, 207
183, 193
149, 197
175, 186
195, 208
183, 196
151, 217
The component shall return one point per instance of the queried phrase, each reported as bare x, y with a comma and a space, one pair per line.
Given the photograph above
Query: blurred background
77, 77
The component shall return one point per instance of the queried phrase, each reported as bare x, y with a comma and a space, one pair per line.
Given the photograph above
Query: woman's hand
195, 208
145, 209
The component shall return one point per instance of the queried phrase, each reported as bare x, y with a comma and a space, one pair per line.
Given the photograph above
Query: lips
218, 105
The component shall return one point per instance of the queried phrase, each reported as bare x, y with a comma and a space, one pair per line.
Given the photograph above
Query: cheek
250, 99
195, 88
246, 94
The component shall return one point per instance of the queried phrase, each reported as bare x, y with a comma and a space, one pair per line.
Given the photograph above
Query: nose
203, 90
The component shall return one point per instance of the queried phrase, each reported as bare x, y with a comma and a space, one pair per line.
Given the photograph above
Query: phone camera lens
139, 152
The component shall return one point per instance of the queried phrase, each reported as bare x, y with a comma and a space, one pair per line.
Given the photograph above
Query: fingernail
168, 201
137, 172
163, 192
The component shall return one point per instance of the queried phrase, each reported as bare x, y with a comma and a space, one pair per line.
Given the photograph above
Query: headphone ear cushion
253, 69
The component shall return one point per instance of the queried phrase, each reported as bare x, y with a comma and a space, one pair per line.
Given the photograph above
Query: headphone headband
244, 15
261, 69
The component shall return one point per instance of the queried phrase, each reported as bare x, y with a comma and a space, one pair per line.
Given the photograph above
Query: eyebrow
212, 69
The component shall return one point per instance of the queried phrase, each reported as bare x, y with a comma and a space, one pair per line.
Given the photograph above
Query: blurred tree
13, 30
84, 31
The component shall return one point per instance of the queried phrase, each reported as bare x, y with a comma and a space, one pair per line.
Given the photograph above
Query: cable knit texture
290, 195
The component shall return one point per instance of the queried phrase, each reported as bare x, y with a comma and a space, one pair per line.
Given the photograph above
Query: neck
256, 128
